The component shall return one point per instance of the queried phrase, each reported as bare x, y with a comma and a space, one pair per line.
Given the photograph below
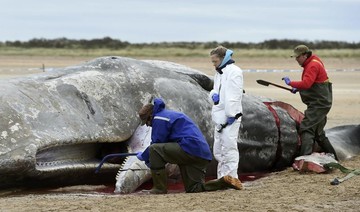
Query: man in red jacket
316, 92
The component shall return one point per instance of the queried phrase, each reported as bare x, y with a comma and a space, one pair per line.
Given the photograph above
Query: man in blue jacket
176, 139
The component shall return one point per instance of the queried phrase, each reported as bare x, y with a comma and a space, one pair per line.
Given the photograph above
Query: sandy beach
286, 190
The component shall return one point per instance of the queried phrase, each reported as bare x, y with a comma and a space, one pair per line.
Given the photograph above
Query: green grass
167, 52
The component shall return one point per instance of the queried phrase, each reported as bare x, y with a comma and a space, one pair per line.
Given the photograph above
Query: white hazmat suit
229, 87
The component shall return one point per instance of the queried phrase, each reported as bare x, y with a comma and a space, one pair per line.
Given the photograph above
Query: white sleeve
215, 87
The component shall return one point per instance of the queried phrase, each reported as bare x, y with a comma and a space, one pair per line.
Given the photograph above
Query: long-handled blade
266, 83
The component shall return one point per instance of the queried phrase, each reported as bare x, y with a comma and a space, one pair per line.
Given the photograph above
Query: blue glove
215, 97
287, 80
230, 120
139, 156
294, 90
148, 164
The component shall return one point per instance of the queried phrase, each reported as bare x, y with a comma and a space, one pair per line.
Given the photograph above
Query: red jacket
314, 72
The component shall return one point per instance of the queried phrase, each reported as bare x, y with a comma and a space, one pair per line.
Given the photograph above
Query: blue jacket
173, 126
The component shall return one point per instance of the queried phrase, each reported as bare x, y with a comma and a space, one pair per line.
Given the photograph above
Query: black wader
318, 99
192, 170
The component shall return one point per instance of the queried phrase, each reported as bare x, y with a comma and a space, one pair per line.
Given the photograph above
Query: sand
287, 190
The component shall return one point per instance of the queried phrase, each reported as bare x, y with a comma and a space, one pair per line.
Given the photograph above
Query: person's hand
139, 156
287, 80
215, 97
230, 120
294, 90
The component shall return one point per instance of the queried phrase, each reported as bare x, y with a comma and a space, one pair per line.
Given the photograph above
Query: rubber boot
307, 142
327, 147
223, 183
159, 178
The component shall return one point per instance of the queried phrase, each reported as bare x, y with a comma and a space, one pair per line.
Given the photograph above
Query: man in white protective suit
226, 111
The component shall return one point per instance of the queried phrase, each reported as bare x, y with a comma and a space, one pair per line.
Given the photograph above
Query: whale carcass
55, 127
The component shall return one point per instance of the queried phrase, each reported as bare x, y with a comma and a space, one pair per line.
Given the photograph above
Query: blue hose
111, 156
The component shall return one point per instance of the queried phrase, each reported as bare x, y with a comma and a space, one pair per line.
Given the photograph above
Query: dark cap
299, 50
145, 112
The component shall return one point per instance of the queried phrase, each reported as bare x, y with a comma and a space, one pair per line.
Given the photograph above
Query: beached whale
57, 126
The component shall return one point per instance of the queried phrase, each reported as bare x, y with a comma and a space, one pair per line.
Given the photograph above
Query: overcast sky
139, 21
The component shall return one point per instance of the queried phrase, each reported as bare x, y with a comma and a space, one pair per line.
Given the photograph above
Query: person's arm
145, 156
215, 90
307, 80
159, 134
160, 130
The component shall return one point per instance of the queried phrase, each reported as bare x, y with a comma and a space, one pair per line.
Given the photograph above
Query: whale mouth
79, 156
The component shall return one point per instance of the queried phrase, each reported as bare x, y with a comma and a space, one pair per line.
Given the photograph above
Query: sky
147, 21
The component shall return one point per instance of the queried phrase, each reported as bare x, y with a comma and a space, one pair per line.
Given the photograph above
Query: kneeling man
176, 139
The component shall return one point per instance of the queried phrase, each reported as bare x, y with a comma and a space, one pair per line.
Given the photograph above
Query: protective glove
139, 156
148, 164
215, 97
294, 90
230, 120
287, 80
